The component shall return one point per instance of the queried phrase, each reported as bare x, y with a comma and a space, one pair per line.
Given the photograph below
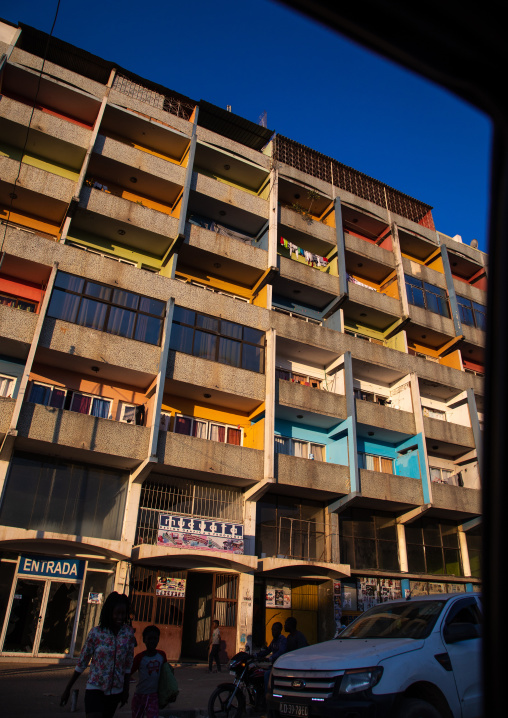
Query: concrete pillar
122, 577
401, 541
332, 527
188, 177
5, 462
245, 611
341, 248
161, 377
273, 218
399, 267
464, 553
477, 432
418, 414
354, 472
268, 471
452, 296
249, 527
131, 512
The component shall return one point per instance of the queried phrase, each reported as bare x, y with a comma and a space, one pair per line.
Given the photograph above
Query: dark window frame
430, 546
110, 305
352, 532
478, 313
219, 334
428, 291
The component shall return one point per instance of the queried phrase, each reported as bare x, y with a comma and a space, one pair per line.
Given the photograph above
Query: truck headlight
360, 679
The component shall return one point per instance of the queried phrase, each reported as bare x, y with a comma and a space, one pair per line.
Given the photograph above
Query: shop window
46, 494
368, 540
372, 462
427, 296
106, 309
217, 340
474, 549
290, 528
212, 430
299, 448
7, 384
433, 547
9, 301
472, 313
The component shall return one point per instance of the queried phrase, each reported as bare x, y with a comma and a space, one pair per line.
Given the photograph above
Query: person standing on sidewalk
110, 648
214, 647
145, 701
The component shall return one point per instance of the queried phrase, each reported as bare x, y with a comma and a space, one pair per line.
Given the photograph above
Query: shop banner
278, 594
51, 567
199, 534
174, 587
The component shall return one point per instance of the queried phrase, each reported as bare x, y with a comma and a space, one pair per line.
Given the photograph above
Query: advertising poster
418, 588
367, 593
95, 597
389, 589
174, 587
199, 534
278, 594
349, 597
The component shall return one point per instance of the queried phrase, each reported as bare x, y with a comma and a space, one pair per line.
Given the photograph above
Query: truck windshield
411, 619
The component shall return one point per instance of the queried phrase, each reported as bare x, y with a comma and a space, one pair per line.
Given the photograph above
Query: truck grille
304, 684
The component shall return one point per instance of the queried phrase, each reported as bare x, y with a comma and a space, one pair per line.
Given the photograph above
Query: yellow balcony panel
385, 417
125, 445
16, 326
456, 502
395, 492
210, 460
70, 342
315, 401
308, 478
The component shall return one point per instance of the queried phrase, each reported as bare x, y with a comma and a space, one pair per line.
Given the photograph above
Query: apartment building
239, 380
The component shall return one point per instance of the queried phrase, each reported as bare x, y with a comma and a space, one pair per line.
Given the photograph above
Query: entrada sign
51, 567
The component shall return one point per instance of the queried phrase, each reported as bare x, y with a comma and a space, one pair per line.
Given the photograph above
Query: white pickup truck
414, 658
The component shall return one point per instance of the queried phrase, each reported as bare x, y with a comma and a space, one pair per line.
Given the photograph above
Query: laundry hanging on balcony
309, 256
361, 284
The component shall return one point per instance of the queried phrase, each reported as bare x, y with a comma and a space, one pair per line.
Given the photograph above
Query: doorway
198, 616
41, 616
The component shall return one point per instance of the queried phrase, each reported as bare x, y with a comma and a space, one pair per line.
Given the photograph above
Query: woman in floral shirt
110, 647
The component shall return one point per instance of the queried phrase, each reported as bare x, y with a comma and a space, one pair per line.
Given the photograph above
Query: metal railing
166, 102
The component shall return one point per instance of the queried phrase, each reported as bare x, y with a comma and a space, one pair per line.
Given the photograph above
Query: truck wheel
416, 708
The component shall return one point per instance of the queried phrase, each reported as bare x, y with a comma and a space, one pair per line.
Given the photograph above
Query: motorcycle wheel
219, 705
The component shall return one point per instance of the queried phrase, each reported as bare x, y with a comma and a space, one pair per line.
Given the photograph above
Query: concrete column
418, 414
161, 377
341, 248
354, 472
464, 553
122, 577
131, 512
245, 611
268, 472
188, 177
401, 541
332, 523
5, 462
249, 527
452, 296
477, 432
273, 218
399, 267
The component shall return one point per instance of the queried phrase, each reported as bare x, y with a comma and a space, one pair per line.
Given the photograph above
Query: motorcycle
229, 699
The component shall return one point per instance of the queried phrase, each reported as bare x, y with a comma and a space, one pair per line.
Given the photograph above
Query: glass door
59, 615
24, 616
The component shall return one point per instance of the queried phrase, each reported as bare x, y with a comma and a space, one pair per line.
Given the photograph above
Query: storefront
49, 603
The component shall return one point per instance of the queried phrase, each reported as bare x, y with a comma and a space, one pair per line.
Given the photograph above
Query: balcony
234, 201
441, 327
316, 401
377, 262
396, 493
108, 216
6, 409
448, 432
209, 460
72, 434
382, 309
53, 137
323, 283
456, 502
298, 228
385, 417
16, 326
308, 478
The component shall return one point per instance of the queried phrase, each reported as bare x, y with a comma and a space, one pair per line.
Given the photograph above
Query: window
88, 404
7, 384
291, 527
427, 296
383, 400
132, 414
16, 303
372, 462
472, 314
303, 379
48, 395
368, 540
217, 340
212, 430
445, 476
61, 398
107, 309
300, 448
433, 547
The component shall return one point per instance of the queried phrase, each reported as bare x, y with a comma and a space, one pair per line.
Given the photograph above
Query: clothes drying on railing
361, 284
212, 225
309, 256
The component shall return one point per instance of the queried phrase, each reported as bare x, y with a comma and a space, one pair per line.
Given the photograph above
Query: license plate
292, 709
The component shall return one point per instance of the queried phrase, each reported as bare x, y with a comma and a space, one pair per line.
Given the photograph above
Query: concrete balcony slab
6, 409
316, 401
228, 195
456, 502
385, 417
303, 228
448, 432
182, 558
395, 493
367, 250
294, 271
17, 326
304, 477
296, 568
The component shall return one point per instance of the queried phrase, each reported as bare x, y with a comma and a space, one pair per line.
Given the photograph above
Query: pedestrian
277, 647
296, 639
145, 701
214, 647
110, 648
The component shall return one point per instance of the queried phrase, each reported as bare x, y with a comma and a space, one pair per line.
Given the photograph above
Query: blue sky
317, 88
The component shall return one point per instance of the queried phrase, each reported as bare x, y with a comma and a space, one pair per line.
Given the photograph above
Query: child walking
145, 701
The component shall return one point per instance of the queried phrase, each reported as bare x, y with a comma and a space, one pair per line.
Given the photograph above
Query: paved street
32, 690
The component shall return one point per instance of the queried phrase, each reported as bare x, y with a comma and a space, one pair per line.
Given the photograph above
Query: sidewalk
32, 690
